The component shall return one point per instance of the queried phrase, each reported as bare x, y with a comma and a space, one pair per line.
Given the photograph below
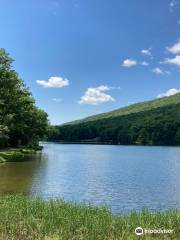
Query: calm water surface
122, 177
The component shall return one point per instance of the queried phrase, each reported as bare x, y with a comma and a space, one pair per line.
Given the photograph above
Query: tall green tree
21, 122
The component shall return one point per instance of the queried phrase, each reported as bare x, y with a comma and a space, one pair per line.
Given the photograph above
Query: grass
17, 154
27, 218
10, 156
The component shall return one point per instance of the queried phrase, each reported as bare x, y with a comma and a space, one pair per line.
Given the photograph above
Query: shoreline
17, 154
106, 143
25, 217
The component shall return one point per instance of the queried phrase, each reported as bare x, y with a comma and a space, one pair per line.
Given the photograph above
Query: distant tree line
21, 122
160, 126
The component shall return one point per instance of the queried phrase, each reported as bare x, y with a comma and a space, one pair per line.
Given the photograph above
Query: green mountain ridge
155, 122
134, 108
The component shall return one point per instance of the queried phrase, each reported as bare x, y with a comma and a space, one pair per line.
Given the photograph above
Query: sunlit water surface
122, 177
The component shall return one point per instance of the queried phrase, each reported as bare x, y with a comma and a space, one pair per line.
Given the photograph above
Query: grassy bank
25, 218
17, 154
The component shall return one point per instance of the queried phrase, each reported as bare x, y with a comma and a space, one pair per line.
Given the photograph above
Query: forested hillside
21, 122
134, 108
158, 125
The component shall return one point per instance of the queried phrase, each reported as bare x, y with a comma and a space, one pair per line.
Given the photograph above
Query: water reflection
123, 177
18, 177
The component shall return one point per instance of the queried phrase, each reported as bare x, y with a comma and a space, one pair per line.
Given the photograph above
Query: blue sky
83, 57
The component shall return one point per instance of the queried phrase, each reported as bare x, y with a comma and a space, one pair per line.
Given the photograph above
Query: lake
122, 177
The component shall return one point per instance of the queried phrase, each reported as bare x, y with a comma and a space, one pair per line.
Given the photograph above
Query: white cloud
129, 63
170, 92
146, 52
175, 48
159, 71
54, 82
174, 61
57, 99
144, 63
96, 96
103, 88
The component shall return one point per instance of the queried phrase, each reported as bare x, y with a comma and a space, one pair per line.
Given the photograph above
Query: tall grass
25, 218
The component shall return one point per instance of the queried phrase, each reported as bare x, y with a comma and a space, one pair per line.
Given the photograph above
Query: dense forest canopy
21, 122
158, 125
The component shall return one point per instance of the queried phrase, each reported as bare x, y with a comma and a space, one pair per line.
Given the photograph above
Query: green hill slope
134, 108
155, 122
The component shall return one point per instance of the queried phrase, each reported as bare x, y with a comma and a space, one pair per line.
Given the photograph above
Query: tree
20, 120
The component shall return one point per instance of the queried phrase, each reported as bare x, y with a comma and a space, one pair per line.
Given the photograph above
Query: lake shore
109, 143
33, 218
17, 154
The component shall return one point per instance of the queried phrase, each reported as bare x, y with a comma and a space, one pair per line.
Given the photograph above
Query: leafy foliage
21, 122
